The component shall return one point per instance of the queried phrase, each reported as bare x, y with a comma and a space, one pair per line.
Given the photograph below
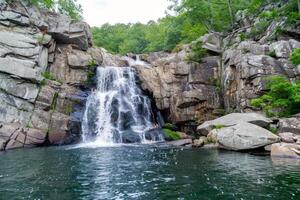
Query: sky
98, 12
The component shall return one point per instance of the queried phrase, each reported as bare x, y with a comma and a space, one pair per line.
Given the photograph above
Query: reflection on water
144, 172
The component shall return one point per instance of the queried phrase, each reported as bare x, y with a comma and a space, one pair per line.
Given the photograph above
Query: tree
68, 7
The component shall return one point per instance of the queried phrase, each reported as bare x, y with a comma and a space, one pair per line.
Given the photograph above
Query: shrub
295, 57
197, 52
282, 98
48, 75
171, 135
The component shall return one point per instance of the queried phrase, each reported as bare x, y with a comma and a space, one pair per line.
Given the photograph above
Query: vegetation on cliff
282, 99
68, 7
192, 19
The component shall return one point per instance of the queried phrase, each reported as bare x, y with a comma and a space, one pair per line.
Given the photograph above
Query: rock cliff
46, 61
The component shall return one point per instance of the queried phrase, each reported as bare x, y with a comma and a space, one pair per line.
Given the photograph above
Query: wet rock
244, 136
285, 150
183, 142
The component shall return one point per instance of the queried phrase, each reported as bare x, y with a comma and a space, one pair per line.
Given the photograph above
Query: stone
285, 150
287, 137
281, 48
199, 142
182, 142
79, 59
291, 125
244, 136
14, 17
253, 48
21, 68
233, 119
58, 130
212, 42
18, 87
268, 147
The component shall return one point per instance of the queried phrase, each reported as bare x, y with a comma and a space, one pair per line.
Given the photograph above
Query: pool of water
144, 172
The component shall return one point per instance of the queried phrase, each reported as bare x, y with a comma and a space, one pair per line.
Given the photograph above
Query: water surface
144, 172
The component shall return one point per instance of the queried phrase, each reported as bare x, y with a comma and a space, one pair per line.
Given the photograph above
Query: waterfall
117, 111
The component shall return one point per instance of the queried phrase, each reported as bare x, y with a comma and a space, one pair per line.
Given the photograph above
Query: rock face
243, 136
44, 64
185, 93
233, 119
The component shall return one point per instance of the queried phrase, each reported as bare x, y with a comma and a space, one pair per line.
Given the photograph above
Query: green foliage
295, 57
92, 63
218, 126
197, 52
68, 7
171, 135
69, 109
272, 54
282, 99
273, 130
259, 28
169, 126
48, 75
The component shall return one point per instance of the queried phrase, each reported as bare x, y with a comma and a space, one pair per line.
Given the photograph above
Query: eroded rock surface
45, 64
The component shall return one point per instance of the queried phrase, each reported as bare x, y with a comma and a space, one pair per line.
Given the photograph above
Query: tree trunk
299, 6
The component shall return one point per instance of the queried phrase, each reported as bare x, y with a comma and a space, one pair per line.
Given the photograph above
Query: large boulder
233, 119
13, 136
285, 150
243, 136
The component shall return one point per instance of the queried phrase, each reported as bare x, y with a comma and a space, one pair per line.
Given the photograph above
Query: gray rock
22, 68
291, 125
14, 17
79, 59
183, 142
18, 88
212, 42
244, 136
281, 48
287, 137
233, 119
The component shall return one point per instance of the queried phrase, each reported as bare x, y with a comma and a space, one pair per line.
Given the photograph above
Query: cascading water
117, 111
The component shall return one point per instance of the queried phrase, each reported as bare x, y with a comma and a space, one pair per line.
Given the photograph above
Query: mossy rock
171, 135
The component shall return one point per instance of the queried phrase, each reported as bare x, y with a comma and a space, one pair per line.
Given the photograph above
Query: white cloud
98, 12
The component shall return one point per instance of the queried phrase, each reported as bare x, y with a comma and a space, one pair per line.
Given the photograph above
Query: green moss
295, 57
272, 54
197, 53
169, 126
54, 101
69, 109
273, 130
92, 63
218, 126
48, 75
171, 135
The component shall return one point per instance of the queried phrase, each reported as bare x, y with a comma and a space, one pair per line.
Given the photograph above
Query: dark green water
144, 172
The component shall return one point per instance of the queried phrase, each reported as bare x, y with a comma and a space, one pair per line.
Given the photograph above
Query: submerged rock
183, 142
285, 150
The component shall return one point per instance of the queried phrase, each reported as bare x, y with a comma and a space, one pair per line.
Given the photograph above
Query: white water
117, 111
